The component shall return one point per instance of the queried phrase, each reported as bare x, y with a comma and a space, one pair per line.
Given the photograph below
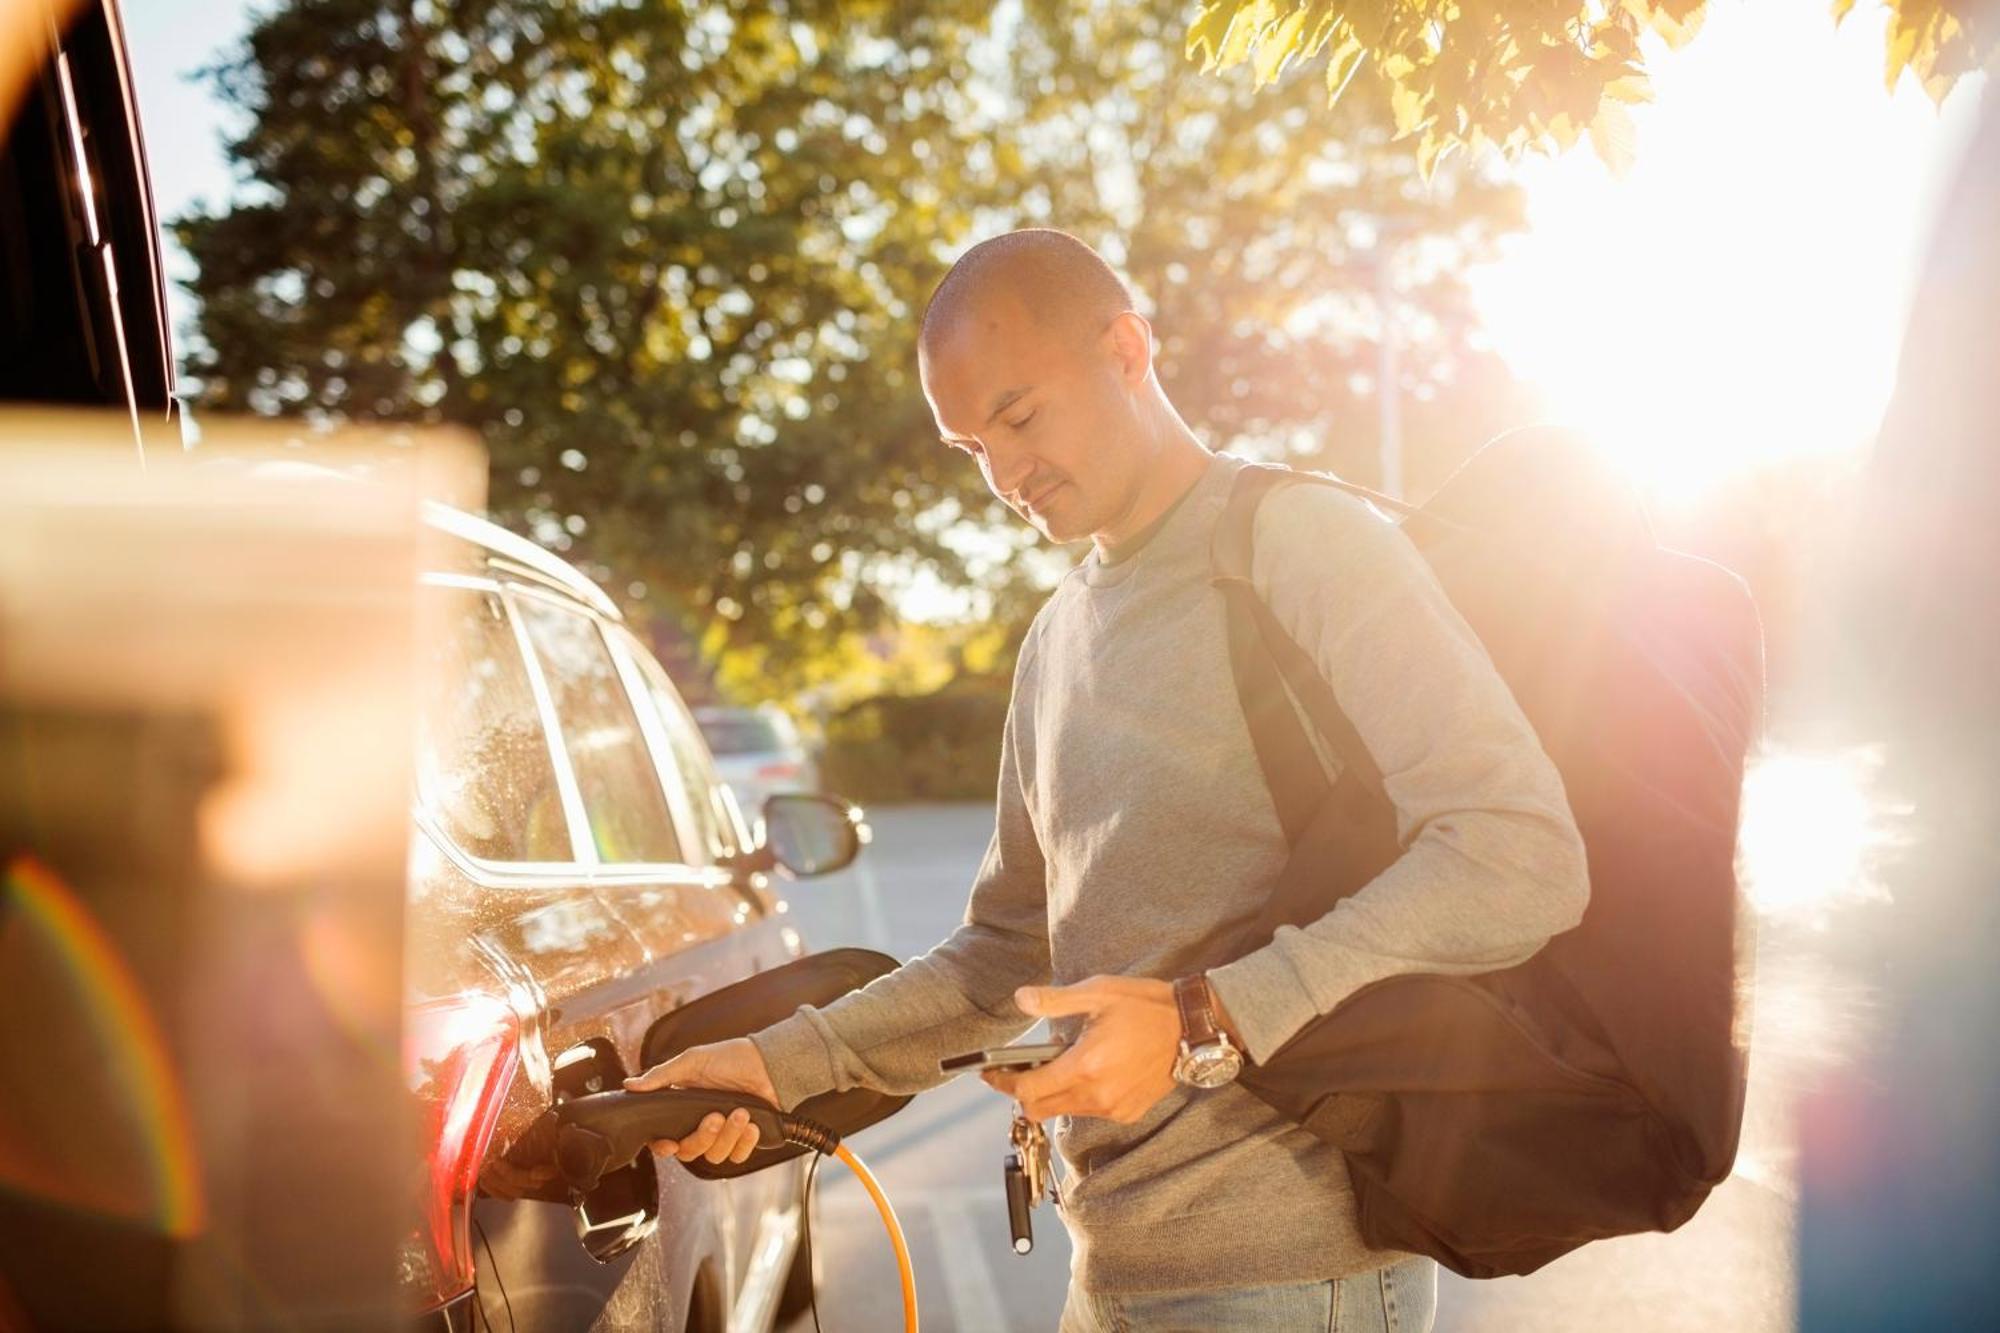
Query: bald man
1134, 831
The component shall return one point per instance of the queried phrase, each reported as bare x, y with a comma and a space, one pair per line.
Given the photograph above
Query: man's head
1035, 362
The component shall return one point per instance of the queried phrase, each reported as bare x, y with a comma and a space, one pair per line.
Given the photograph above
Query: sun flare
1815, 830
1738, 298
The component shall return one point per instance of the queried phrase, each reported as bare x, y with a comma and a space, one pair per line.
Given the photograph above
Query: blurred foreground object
1900, 1153
206, 719
23, 26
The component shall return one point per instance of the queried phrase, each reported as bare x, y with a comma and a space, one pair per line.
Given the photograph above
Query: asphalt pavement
1731, 1268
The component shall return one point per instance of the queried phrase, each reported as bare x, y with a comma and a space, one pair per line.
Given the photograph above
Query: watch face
1209, 1066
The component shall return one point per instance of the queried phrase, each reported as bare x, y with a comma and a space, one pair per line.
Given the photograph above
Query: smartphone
1028, 1056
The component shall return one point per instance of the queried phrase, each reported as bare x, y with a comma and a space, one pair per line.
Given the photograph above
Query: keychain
1028, 1178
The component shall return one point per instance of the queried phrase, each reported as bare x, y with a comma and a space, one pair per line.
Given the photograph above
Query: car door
586, 841
551, 875
765, 1204
661, 828
502, 908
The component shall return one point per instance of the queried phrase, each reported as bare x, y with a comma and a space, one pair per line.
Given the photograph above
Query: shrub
942, 746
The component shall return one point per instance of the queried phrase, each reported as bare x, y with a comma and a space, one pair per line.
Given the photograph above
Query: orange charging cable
888, 1212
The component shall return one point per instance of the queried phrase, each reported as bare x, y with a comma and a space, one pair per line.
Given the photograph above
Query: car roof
496, 540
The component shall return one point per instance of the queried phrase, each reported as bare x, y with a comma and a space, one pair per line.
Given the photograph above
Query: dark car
579, 871
83, 316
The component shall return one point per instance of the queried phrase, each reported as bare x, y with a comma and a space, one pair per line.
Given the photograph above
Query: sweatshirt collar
1186, 515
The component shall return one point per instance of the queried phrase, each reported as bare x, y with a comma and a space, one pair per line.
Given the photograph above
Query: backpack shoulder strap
1272, 671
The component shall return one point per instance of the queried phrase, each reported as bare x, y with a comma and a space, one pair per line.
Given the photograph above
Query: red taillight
458, 1059
778, 772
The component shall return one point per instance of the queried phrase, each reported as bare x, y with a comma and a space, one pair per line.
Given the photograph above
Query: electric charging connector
606, 1130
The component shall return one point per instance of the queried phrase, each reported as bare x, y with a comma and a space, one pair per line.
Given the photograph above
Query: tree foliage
666, 258
1524, 74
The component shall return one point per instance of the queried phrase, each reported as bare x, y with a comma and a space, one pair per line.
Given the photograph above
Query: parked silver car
758, 752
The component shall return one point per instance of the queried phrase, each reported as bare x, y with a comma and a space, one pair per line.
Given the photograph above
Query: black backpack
1497, 1121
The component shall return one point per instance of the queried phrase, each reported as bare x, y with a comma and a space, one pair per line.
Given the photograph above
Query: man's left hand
1120, 1066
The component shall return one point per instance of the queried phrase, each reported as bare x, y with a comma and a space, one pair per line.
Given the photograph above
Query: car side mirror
809, 835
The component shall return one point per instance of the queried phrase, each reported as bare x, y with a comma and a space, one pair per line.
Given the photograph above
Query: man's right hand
735, 1065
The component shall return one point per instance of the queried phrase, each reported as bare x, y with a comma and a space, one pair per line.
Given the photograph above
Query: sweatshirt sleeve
890, 1034
1493, 865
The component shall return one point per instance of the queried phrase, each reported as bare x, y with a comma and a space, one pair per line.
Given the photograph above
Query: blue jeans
1401, 1298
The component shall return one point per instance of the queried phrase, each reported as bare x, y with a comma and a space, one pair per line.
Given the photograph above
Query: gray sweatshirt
1133, 825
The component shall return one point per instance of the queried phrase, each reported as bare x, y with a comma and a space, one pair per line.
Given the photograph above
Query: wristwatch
1207, 1058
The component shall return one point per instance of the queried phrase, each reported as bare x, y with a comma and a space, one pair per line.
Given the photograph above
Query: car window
707, 797
483, 759
621, 791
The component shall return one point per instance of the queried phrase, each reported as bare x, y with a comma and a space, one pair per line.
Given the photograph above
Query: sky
1737, 297
184, 124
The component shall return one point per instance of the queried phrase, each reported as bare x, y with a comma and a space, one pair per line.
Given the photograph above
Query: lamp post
1389, 405
1389, 234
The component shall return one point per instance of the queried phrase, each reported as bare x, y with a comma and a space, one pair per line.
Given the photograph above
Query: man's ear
1131, 341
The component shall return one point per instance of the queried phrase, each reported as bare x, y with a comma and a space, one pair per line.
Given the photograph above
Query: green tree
630, 245
666, 259
1529, 75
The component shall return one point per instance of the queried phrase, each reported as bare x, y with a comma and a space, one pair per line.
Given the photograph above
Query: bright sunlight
1738, 298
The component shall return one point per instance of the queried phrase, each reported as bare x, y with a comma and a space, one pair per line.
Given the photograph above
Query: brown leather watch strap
1196, 1003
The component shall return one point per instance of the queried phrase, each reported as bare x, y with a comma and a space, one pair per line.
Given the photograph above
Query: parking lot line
968, 1280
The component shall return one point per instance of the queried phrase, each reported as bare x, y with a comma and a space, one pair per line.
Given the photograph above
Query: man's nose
1008, 469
